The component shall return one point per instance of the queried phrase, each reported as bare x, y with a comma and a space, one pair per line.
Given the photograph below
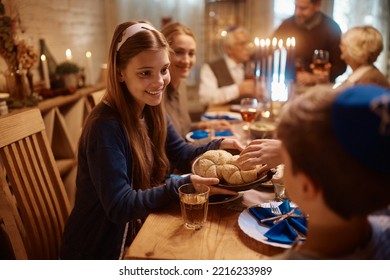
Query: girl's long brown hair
145, 174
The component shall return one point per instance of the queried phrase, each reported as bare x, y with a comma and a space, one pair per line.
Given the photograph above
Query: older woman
360, 47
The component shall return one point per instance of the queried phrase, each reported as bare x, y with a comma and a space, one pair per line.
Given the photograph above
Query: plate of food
229, 116
262, 129
221, 164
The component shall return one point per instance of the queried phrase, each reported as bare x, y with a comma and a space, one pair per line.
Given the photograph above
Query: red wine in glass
248, 114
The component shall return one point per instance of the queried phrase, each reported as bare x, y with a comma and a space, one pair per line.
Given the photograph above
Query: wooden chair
33, 187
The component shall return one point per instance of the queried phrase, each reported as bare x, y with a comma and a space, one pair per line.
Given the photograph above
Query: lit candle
274, 43
68, 54
283, 61
275, 76
45, 71
292, 59
90, 75
263, 57
257, 60
269, 58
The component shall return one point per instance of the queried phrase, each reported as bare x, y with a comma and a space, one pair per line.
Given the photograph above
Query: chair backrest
34, 180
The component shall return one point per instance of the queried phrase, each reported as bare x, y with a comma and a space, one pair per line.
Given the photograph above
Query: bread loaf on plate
221, 164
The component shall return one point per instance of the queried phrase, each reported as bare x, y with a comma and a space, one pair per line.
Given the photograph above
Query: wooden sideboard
64, 118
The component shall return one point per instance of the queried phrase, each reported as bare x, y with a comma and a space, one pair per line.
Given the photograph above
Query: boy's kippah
360, 119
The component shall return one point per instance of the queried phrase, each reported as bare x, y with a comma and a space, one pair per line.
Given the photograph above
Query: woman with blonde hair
360, 47
125, 150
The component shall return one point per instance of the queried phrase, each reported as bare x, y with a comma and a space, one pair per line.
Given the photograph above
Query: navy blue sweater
105, 198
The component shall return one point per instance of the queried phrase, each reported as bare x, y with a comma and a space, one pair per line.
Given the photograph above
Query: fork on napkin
285, 228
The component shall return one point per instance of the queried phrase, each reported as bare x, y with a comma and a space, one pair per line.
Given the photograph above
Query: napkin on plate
219, 117
283, 231
200, 134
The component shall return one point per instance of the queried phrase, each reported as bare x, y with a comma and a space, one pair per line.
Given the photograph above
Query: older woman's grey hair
231, 36
362, 44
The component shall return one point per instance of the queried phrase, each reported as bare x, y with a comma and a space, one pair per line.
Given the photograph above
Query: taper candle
90, 74
45, 67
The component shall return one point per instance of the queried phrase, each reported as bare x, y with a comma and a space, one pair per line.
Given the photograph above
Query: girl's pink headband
131, 30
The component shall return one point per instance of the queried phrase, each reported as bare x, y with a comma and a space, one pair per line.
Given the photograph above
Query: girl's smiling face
146, 76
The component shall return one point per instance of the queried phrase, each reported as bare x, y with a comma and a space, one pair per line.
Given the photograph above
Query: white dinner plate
190, 139
252, 228
221, 115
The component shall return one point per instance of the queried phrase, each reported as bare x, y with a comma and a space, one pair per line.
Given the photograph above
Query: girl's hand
233, 144
198, 180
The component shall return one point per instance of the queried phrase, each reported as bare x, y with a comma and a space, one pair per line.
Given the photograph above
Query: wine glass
249, 110
320, 65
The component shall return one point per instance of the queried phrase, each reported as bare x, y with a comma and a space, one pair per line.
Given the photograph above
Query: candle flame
293, 42
266, 114
274, 42
288, 42
267, 42
280, 43
262, 43
88, 54
43, 57
257, 41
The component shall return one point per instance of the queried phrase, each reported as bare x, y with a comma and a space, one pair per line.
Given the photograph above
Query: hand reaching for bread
222, 165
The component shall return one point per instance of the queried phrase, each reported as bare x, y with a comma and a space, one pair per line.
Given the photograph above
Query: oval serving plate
260, 182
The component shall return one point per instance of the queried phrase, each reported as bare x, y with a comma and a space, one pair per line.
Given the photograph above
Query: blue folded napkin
283, 231
219, 117
200, 134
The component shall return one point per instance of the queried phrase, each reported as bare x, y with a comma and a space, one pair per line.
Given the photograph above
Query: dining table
163, 235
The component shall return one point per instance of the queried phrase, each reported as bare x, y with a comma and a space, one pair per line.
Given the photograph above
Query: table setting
276, 221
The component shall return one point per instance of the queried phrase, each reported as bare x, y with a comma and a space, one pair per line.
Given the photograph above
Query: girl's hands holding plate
196, 180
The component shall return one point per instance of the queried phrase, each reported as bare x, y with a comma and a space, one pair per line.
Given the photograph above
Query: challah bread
233, 174
210, 164
221, 164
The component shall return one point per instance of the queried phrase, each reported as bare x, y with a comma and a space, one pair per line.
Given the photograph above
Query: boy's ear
309, 190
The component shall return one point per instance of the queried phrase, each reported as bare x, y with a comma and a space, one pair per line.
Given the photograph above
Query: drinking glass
249, 111
320, 65
320, 60
194, 204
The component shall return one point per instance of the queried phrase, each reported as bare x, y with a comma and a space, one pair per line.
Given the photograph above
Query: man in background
223, 81
312, 30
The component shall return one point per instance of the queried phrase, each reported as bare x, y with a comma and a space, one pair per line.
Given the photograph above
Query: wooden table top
164, 236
